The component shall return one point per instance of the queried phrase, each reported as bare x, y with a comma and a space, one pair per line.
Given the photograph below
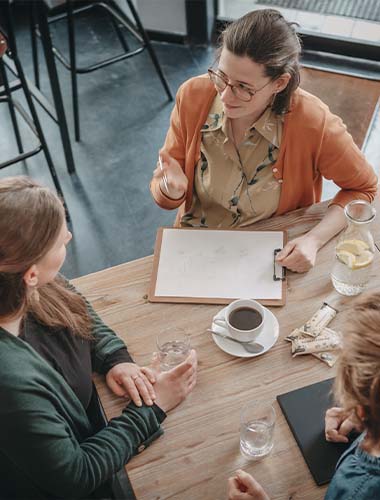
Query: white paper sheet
218, 264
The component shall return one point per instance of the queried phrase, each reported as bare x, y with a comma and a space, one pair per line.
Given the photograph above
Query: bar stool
117, 16
9, 60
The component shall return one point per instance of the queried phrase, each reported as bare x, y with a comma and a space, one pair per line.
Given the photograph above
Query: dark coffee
245, 318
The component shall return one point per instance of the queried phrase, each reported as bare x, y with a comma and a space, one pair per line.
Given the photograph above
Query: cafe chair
118, 18
119, 486
10, 62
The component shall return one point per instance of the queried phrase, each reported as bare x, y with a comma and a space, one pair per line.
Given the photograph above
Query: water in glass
256, 429
348, 281
172, 353
354, 252
256, 439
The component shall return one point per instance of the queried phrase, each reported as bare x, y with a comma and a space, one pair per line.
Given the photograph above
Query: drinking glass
173, 346
256, 429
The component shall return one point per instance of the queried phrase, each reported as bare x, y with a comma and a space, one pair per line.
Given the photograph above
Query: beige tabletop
200, 447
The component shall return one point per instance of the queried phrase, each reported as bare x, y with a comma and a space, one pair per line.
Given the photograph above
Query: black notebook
304, 410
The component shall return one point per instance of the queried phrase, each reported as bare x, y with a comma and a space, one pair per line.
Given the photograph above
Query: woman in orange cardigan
245, 143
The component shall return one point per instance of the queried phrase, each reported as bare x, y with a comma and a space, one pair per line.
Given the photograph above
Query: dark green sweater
47, 448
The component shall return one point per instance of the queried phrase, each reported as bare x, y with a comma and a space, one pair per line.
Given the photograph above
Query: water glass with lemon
355, 250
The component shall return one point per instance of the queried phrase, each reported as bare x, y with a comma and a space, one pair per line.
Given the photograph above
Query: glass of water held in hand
173, 346
256, 429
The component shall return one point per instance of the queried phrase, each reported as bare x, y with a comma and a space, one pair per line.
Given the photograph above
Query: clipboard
217, 266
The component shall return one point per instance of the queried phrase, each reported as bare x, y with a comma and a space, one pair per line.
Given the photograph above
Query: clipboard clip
283, 270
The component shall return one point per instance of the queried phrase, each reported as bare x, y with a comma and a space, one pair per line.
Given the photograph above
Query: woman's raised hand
173, 386
175, 178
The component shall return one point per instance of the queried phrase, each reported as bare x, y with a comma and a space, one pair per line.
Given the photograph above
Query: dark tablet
304, 410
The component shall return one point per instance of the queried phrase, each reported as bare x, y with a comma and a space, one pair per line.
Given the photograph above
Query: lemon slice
363, 260
355, 247
346, 258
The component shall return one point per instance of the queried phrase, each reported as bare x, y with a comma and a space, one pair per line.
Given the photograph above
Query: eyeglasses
239, 89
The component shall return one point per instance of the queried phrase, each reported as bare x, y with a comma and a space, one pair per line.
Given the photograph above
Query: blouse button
275, 170
280, 181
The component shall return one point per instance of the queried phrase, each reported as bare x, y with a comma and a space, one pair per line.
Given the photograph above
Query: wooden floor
353, 99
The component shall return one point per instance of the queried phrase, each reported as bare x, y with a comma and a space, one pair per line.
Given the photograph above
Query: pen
164, 176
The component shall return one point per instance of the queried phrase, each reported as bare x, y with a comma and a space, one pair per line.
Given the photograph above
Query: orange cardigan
315, 144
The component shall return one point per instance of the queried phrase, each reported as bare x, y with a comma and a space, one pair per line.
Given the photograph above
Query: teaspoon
250, 346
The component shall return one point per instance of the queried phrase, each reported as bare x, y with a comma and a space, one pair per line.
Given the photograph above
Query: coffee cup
243, 318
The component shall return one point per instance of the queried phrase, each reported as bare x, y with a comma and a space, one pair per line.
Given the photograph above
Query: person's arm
110, 357
299, 255
173, 156
175, 188
331, 224
338, 159
43, 446
107, 349
243, 486
46, 436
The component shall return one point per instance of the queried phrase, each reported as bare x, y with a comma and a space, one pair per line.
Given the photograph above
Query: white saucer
267, 338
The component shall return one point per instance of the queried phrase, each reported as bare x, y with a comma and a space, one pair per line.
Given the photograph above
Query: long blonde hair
31, 218
358, 377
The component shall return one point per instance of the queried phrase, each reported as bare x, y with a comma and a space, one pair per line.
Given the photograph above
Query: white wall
161, 15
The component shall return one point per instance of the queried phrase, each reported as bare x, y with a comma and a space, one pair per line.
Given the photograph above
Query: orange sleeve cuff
162, 200
343, 197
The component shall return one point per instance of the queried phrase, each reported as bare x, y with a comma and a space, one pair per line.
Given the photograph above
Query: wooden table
200, 447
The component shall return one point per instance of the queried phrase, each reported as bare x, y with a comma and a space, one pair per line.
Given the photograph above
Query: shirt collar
215, 118
268, 126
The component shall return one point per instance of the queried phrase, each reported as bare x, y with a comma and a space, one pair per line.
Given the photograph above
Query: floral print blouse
235, 186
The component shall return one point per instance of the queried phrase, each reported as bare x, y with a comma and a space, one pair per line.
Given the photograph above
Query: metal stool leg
73, 67
41, 136
120, 35
35, 125
33, 38
12, 112
150, 49
54, 82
